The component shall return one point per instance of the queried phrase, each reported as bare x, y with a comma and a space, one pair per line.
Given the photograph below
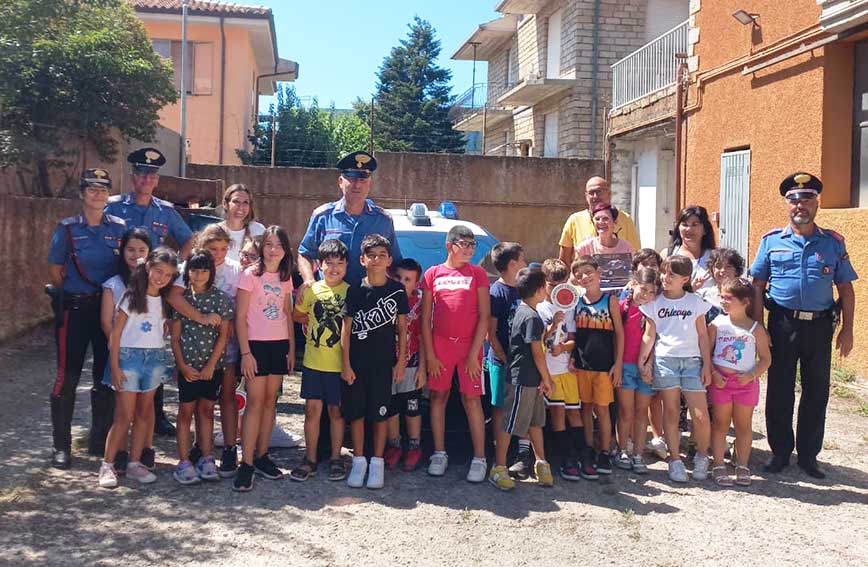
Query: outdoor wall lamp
745, 18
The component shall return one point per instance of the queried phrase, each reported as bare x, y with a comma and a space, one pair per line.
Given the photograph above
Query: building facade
549, 77
231, 59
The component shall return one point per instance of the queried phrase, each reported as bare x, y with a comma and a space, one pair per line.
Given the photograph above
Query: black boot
162, 425
102, 408
61, 456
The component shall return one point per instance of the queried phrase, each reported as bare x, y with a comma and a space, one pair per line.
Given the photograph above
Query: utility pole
184, 88
371, 143
273, 134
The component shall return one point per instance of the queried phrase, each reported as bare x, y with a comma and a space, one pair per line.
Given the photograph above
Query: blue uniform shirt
332, 221
97, 248
801, 271
160, 218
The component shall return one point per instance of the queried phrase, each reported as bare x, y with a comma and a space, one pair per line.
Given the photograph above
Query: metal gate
735, 200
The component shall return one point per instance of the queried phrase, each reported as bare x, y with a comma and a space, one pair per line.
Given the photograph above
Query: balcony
841, 15
478, 105
520, 7
649, 69
532, 91
488, 40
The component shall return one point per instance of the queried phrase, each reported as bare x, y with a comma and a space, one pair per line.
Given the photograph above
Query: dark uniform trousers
79, 327
810, 344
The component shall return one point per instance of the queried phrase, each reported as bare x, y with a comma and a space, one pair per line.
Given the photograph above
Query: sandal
742, 475
304, 471
337, 470
721, 476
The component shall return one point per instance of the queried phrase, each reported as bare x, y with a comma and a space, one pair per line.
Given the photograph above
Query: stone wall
521, 199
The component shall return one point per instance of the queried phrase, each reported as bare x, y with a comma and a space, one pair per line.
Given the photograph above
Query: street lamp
746, 18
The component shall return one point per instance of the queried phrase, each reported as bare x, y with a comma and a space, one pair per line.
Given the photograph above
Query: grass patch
862, 409
841, 391
830, 445
841, 375
631, 523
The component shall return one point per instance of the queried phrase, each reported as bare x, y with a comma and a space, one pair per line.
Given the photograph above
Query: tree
306, 137
413, 97
74, 72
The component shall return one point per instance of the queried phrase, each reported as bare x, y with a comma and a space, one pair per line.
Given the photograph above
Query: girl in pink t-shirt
267, 344
634, 395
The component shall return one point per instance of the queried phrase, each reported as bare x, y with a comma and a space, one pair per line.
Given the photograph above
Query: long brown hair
284, 269
680, 266
137, 290
235, 188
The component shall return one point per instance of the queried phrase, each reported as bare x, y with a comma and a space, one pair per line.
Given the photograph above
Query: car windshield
428, 248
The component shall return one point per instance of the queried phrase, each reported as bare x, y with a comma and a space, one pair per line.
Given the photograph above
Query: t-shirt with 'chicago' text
676, 324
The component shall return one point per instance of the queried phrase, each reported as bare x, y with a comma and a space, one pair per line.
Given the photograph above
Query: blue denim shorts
145, 369
630, 380
678, 372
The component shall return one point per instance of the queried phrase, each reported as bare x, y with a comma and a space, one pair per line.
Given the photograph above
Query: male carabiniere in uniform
800, 264
140, 209
349, 219
84, 253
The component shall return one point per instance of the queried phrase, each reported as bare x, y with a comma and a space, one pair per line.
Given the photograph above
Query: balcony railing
648, 69
477, 97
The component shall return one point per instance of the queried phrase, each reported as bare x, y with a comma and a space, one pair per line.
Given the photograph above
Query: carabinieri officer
350, 219
800, 264
140, 209
84, 253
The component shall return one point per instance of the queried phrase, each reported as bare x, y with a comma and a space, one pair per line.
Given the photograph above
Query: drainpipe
679, 118
222, 91
595, 80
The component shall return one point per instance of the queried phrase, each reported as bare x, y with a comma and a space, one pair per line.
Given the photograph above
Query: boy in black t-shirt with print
529, 382
375, 321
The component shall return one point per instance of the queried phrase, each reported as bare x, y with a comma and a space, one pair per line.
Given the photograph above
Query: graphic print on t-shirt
146, 326
327, 316
414, 320
452, 282
383, 313
272, 301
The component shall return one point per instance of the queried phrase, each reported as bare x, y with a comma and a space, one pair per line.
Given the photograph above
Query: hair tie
140, 261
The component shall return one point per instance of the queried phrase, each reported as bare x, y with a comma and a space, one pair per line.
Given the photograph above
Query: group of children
371, 349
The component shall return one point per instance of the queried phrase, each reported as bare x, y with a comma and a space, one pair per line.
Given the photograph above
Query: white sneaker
700, 466
677, 472
138, 472
438, 464
376, 472
108, 478
658, 446
478, 469
281, 439
357, 473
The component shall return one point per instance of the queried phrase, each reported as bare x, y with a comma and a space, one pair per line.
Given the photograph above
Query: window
550, 135
200, 62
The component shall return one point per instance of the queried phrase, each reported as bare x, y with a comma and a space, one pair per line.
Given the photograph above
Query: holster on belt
56, 295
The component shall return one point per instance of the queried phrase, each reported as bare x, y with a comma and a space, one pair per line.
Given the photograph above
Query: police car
422, 235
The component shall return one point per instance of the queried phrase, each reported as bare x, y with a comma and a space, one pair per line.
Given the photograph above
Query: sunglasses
249, 256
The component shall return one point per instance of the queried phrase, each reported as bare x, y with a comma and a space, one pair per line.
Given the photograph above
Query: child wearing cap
455, 316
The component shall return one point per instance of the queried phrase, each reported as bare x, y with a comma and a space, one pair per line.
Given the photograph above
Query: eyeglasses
249, 256
372, 256
96, 190
465, 243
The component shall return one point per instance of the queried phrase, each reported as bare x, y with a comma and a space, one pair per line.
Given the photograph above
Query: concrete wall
521, 199
26, 225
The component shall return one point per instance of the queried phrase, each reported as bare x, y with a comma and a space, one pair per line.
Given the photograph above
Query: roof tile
200, 7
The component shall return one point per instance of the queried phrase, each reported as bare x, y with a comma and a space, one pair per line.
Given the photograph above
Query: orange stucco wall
203, 111
794, 115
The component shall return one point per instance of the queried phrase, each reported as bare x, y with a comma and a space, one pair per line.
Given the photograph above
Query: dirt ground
50, 517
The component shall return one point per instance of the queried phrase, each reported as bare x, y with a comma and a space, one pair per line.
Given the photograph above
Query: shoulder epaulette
323, 208
115, 220
68, 221
115, 198
836, 235
773, 231
164, 203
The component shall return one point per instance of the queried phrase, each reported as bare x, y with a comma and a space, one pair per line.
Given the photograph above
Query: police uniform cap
357, 164
96, 177
801, 185
146, 160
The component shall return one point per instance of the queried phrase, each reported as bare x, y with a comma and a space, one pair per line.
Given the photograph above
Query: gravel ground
50, 517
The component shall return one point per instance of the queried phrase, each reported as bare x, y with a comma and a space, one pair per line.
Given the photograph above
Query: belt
75, 301
802, 315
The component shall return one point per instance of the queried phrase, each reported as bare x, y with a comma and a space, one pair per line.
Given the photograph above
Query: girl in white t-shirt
135, 244
675, 330
139, 362
741, 355
238, 218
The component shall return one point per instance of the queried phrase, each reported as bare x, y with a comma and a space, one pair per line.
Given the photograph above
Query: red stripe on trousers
61, 357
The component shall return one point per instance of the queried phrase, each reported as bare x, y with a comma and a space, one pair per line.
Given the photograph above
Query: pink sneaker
411, 459
392, 456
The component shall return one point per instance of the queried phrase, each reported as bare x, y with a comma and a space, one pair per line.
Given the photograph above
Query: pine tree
413, 97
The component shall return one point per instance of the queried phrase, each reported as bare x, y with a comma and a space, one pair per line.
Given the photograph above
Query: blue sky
340, 44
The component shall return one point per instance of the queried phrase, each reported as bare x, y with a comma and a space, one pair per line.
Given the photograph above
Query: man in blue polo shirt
350, 219
800, 264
